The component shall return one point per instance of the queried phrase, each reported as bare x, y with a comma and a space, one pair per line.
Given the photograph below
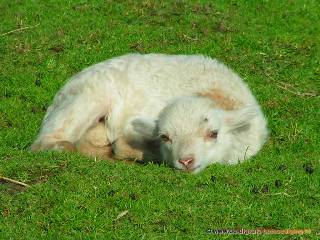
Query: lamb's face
192, 134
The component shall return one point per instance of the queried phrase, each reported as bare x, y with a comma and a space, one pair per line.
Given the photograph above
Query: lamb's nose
187, 161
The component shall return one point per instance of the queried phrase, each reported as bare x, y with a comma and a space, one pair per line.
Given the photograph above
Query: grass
273, 45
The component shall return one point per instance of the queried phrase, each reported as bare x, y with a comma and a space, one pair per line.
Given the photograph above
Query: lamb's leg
67, 120
57, 146
94, 142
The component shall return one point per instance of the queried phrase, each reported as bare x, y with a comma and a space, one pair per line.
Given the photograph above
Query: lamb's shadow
150, 152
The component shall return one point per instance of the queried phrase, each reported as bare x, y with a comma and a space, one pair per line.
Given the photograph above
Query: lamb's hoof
35, 147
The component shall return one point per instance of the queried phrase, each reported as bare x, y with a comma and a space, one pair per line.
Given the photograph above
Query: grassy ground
273, 45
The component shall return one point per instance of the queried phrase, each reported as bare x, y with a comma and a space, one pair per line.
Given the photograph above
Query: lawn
273, 45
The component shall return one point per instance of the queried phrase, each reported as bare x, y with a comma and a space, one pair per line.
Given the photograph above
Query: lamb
192, 109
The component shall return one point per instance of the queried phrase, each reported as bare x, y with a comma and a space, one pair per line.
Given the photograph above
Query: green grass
273, 45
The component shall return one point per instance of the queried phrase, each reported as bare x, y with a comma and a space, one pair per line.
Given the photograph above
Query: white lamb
199, 110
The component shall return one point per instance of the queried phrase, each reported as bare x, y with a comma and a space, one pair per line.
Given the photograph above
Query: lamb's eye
165, 138
212, 134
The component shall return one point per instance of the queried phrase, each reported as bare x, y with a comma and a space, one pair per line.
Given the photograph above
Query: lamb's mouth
190, 170
193, 169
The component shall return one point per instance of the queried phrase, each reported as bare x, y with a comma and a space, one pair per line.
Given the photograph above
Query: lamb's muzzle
187, 162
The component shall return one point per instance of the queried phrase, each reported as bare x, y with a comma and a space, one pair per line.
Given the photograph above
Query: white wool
135, 88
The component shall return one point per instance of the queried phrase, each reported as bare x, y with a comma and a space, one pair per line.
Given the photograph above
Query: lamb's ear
239, 120
144, 128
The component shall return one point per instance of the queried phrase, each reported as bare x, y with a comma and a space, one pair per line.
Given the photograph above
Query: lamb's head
194, 133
